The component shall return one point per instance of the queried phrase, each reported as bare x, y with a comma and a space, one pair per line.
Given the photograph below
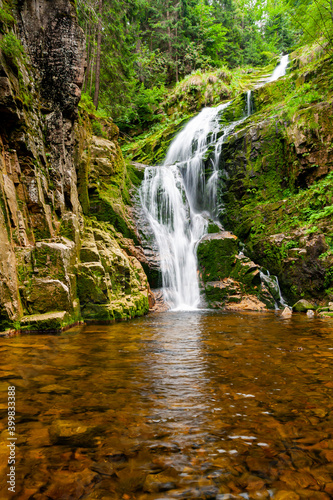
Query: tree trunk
98, 54
88, 35
176, 43
169, 33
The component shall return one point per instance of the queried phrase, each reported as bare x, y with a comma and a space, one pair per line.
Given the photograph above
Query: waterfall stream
179, 198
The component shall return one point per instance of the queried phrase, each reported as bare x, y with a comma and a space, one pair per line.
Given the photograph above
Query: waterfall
280, 69
273, 286
179, 197
249, 102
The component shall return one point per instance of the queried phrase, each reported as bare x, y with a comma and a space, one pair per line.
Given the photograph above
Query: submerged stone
71, 432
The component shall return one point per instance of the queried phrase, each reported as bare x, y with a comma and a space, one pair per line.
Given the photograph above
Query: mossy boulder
51, 321
43, 295
111, 283
229, 277
304, 306
216, 253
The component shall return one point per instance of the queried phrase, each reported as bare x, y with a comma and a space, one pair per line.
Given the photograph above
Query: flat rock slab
219, 236
42, 322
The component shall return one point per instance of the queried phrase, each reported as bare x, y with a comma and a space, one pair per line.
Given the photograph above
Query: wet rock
55, 389
287, 495
54, 322
296, 479
247, 303
43, 295
310, 313
163, 447
118, 458
72, 433
287, 312
48, 161
303, 306
159, 483
228, 496
71, 485
158, 303
216, 254
230, 278
105, 469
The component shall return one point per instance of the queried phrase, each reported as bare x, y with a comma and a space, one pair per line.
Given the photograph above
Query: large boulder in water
227, 276
303, 306
216, 253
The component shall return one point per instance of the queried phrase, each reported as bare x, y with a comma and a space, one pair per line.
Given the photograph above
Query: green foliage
86, 103
97, 129
144, 106
314, 20
148, 45
12, 48
328, 277
303, 97
6, 18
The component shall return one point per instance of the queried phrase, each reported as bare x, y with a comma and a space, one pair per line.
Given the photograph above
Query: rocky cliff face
276, 172
53, 256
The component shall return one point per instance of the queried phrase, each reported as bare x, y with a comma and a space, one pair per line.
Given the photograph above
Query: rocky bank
67, 251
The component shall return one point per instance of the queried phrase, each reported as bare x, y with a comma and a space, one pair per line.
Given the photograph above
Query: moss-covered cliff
277, 179
66, 248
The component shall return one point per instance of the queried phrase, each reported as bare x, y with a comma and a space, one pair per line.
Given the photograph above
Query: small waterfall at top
180, 196
280, 69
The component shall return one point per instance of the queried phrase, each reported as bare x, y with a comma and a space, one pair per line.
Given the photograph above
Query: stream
186, 405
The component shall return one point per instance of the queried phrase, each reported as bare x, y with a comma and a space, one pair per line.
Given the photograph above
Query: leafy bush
303, 97
86, 103
97, 129
145, 103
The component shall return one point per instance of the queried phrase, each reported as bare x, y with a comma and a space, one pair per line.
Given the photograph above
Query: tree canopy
138, 48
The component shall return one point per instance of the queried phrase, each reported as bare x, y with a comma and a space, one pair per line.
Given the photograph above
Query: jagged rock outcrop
229, 278
45, 177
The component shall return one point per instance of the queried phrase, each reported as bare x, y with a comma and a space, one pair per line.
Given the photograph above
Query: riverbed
183, 405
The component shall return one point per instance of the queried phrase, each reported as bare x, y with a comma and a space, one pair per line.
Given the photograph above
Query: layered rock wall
46, 227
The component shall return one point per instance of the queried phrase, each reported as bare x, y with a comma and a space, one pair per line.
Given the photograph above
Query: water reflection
176, 405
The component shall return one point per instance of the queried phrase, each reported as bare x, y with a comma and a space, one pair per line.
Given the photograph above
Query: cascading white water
176, 228
178, 196
273, 286
249, 102
175, 198
188, 151
280, 69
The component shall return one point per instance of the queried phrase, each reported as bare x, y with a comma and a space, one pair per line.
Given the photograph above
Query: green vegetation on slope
188, 97
136, 50
277, 195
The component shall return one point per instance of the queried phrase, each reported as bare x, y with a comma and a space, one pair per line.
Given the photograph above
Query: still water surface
176, 405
